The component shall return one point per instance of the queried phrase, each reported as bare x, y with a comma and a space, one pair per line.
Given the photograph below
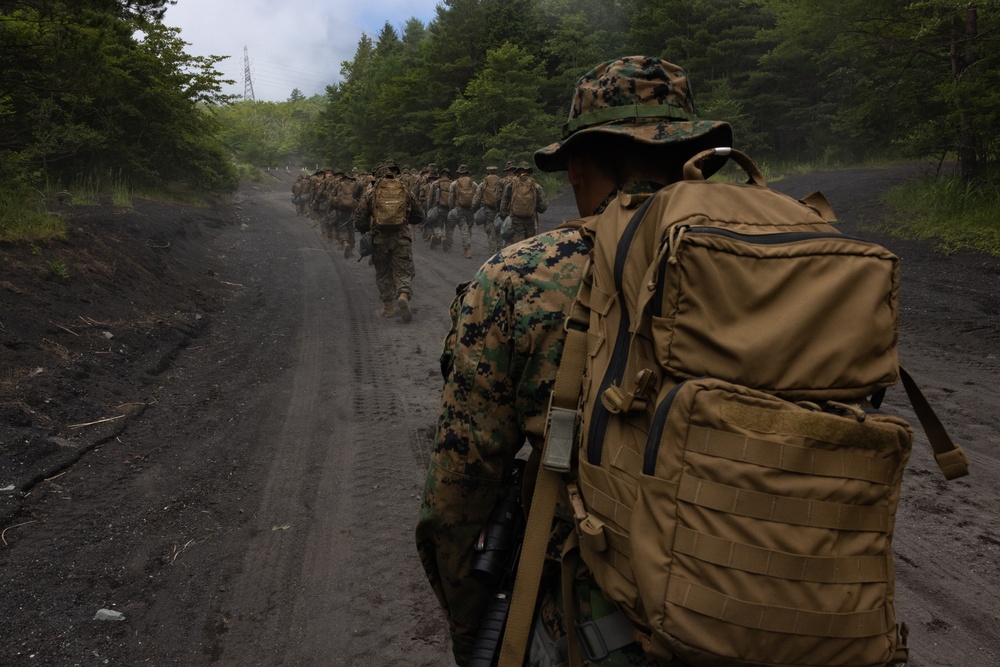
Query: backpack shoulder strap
557, 454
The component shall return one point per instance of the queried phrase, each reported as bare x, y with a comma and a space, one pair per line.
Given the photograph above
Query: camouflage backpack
390, 203
714, 427
522, 198
491, 190
465, 190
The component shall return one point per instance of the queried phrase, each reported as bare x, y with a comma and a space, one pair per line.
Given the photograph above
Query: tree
500, 115
98, 86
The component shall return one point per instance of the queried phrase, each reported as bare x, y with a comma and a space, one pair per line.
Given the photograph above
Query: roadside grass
955, 214
33, 215
24, 216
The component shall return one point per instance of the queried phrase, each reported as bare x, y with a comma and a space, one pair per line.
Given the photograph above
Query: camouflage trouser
463, 220
392, 255
317, 210
437, 231
494, 243
343, 228
524, 228
548, 643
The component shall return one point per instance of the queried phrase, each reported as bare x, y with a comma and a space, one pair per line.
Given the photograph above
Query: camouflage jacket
499, 363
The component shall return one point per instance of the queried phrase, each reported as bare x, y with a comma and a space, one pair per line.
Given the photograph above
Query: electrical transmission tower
247, 80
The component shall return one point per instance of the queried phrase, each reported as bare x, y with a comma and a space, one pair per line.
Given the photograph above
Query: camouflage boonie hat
510, 165
491, 169
641, 97
390, 165
523, 166
463, 169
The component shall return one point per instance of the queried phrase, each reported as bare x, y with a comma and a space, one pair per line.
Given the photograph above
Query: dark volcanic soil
206, 426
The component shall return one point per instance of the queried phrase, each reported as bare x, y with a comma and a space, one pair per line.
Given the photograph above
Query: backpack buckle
560, 434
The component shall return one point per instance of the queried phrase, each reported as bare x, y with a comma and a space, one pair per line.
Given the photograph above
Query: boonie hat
510, 165
642, 97
463, 169
523, 166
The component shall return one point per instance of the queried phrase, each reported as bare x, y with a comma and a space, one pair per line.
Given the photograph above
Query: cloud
290, 43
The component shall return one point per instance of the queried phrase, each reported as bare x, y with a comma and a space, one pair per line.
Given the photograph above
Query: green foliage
23, 217
957, 214
102, 84
58, 270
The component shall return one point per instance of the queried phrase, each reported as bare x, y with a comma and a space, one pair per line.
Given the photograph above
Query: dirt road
256, 506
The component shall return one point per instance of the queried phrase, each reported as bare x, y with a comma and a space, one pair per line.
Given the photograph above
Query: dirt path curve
260, 510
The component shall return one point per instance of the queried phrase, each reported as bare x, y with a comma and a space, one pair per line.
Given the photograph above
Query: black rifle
494, 564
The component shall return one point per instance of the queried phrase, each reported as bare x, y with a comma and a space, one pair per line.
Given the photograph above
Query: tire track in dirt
347, 482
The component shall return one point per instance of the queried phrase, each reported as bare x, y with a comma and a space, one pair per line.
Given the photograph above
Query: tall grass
958, 215
24, 217
88, 189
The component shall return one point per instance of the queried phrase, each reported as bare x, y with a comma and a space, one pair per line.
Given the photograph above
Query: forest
103, 90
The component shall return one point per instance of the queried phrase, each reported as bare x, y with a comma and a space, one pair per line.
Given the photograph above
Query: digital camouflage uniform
440, 198
300, 194
392, 253
493, 242
502, 354
500, 362
461, 215
343, 218
524, 226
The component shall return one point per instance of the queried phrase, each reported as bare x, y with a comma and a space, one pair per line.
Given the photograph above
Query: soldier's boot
434, 242
387, 310
348, 251
403, 303
468, 253
447, 246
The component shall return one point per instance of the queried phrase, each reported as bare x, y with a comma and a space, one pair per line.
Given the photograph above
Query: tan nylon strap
949, 456
795, 511
806, 460
770, 618
565, 395
570, 559
747, 558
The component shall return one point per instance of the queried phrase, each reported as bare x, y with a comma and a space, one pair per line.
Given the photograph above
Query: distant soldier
440, 198
300, 194
386, 210
462, 192
425, 188
318, 202
486, 205
342, 204
523, 199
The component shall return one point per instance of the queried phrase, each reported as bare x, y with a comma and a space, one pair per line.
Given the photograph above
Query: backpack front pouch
776, 546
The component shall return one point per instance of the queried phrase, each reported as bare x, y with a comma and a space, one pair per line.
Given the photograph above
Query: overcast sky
291, 43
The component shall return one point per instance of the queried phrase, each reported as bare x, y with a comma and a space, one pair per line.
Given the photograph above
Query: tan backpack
444, 192
390, 203
465, 190
522, 198
734, 491
491, 190
345, 194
